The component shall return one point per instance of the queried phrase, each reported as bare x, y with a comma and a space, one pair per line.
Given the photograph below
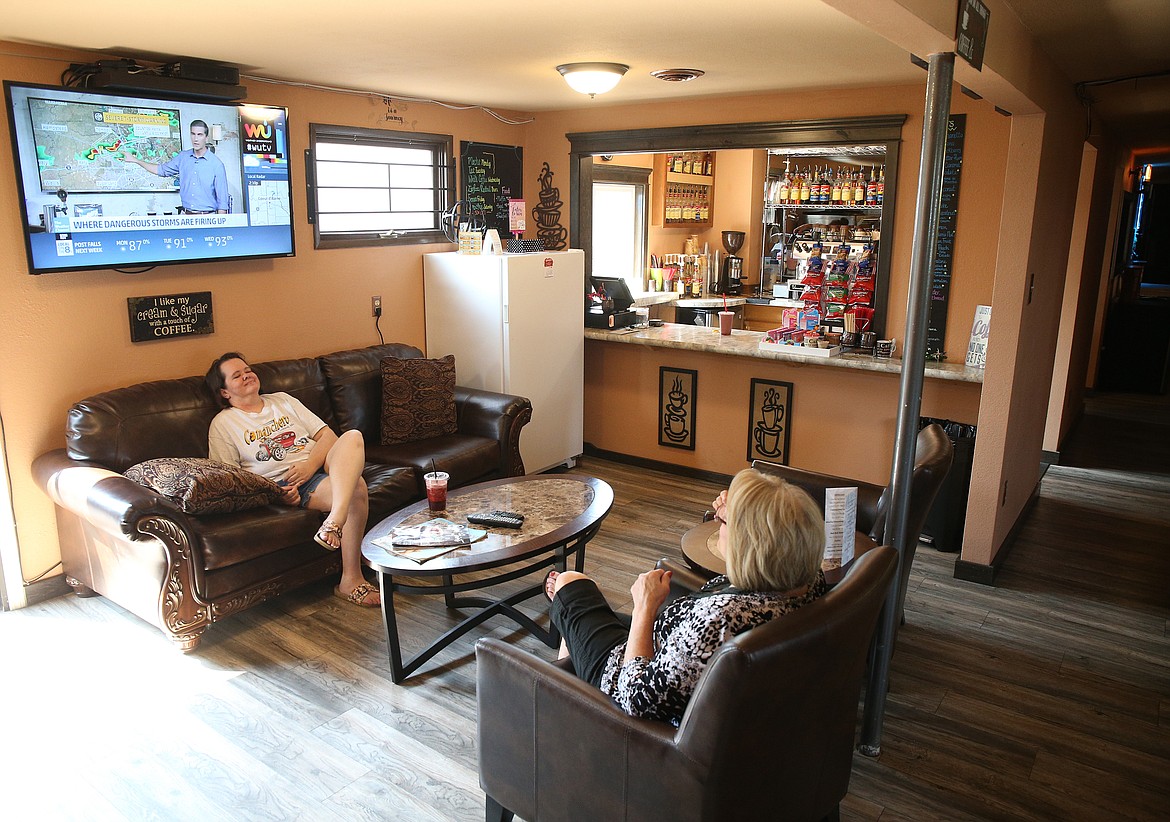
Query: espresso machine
731, 273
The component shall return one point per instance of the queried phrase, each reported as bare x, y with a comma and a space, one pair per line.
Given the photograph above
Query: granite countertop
747, 344
711, 302
643, 299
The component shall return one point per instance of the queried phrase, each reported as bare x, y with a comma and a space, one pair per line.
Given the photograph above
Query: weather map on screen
81, 146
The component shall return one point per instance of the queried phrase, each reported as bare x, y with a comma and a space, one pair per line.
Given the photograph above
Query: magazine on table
429, 539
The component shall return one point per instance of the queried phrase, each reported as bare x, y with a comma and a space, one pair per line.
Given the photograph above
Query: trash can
944, 524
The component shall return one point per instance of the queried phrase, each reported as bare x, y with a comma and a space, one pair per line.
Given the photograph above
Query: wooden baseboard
974, 572
46, 589
985, 574
656, 465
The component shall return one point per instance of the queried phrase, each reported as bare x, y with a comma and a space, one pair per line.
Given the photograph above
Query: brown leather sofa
183, 572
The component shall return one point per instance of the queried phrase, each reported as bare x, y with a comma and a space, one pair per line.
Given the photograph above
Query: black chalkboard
944, 249
491, 175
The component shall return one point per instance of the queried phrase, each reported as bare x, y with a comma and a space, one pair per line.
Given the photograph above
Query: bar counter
747, 344
840, 417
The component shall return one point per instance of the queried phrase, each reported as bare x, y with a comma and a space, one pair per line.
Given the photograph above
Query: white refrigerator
515, 323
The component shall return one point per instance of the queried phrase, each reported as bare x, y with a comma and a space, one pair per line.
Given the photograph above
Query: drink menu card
840, 526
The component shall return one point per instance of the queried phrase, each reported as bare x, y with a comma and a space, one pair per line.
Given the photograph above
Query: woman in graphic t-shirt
276, 436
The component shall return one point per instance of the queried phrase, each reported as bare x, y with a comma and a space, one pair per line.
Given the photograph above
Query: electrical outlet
376, 306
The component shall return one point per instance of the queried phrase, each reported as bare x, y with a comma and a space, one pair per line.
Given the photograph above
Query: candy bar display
845, 283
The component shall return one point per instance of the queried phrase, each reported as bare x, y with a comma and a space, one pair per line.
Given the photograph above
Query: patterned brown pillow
201, 486
418, 399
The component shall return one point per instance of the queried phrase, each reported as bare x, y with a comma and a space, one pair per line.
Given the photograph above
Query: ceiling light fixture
677, 75
592, 78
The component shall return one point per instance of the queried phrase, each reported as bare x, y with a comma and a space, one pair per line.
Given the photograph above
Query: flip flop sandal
327, 529
550, 583
358, 595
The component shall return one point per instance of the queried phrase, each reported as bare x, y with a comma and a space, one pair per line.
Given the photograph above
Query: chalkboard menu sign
165, 316
940, 289
492, 175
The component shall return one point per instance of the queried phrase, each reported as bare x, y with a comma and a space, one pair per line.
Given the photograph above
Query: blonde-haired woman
772, 537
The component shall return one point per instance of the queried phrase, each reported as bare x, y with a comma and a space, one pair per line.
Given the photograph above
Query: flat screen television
86, 206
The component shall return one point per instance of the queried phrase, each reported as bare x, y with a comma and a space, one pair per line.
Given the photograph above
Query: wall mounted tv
87, 205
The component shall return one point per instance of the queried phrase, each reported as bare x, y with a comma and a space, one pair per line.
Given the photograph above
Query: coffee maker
731, 274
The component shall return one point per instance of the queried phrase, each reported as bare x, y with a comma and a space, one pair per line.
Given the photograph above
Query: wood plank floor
1045, 697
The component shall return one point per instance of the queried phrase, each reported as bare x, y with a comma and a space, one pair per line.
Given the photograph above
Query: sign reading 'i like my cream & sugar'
164, 316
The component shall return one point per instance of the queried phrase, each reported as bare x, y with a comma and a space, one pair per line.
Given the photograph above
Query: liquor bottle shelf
815, 207
693, 179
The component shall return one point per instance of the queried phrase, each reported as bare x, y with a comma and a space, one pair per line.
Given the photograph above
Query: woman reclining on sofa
276, 436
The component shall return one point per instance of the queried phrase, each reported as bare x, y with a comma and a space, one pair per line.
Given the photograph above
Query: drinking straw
434, 470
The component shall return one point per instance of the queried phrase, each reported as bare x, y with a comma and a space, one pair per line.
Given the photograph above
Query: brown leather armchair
768, 733
933, 454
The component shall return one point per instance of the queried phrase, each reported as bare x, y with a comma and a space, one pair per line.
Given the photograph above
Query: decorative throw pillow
202, 486
418, 399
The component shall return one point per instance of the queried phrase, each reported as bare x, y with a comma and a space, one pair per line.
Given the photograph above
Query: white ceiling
465, 52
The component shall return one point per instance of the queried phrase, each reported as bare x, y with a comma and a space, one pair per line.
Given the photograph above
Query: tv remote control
502, 519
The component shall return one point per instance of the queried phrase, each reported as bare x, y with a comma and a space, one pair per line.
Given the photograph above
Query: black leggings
589, 626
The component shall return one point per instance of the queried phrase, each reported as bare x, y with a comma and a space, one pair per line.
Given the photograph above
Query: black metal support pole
926, 216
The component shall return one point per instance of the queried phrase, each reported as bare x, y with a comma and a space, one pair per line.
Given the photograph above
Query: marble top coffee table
562, 512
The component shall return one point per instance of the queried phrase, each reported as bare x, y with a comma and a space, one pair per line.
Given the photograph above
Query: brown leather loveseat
182, 572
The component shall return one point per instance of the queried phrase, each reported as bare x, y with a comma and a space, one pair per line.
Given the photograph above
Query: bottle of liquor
881, 185
835, 191
704, 206
859, 188
785, 184
826, 186
805, 188
871, 188
678, 164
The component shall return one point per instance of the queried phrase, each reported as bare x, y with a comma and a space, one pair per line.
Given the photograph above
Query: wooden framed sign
164, 316
676, 407
769, 421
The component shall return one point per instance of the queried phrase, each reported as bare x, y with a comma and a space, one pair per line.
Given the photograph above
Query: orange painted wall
66, 335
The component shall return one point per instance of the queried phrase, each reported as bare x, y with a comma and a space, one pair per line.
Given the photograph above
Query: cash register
609, 304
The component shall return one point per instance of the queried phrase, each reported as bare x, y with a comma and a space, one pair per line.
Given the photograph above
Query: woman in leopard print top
772, 537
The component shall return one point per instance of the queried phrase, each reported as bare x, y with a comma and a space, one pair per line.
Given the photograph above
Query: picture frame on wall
769, 421
677, 392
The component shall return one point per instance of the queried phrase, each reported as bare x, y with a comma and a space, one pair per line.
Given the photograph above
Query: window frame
639, 178
442, 148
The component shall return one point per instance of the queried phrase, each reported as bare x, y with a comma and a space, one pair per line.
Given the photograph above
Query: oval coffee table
562, 512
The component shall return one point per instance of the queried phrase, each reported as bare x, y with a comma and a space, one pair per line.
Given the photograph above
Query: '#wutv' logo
259, 138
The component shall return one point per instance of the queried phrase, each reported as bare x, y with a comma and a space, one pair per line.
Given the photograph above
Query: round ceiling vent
677, 75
